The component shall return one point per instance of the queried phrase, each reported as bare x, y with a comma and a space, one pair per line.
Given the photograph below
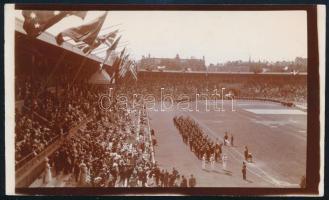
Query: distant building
237, 66
177, 63
301, 61
299, 64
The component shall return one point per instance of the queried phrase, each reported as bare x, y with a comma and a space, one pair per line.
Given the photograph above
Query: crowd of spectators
32, 136
24, 86
283, 88
46, 115
112, 150
295, 93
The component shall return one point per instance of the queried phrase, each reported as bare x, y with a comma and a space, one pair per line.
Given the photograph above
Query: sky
219, 36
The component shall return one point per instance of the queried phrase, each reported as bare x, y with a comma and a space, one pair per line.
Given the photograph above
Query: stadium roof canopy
45, 49
50, 39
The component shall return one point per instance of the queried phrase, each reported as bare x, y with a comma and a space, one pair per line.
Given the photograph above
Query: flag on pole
124, 68
86, 33
133, 70
124, 59
123, 71
110, 50
37, 21
114, 70
117, 65
121, 59
107, 39
129, 65
115, 44
114, 67
107, 56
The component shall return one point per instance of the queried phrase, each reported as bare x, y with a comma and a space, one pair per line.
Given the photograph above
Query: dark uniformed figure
246, 153
166, 179
232, 140
192, 181
184, 182
244, 171
225, 138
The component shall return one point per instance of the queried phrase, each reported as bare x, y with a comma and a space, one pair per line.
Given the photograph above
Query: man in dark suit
184, 182
192, 181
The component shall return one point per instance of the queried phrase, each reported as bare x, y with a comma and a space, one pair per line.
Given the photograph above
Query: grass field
275, 135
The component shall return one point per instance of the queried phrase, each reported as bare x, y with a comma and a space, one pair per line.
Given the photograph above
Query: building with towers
174, 64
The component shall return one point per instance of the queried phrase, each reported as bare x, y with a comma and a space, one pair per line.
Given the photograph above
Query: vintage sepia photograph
161, 100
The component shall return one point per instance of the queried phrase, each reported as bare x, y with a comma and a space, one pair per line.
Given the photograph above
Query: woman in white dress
212, 161
150, 180
204, 161
83, 176
47, 175
177, 181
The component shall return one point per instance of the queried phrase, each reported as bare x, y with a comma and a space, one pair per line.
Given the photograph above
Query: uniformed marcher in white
204, 161
224, 159
212, 161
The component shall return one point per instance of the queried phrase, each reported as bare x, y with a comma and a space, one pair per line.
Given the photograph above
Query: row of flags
86, 35
107, 39
37, 22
